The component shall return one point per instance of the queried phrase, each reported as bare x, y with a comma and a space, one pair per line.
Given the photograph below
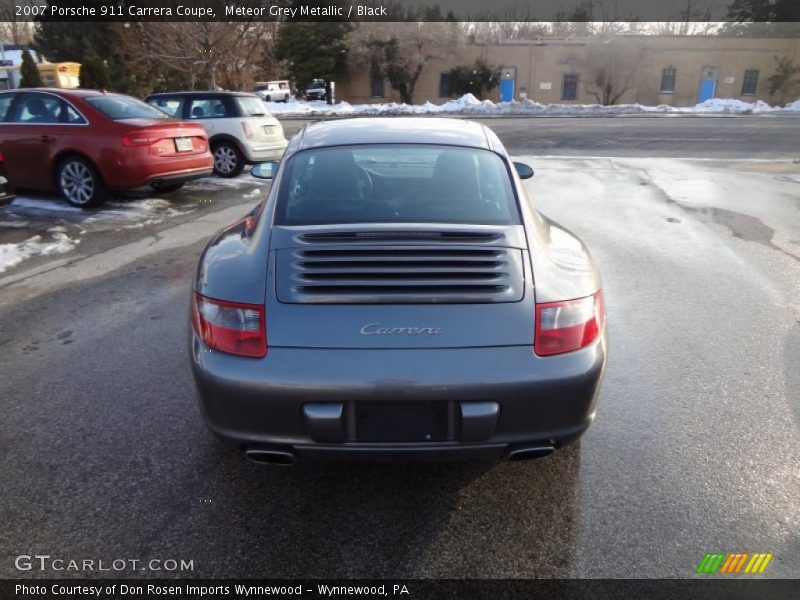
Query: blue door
707, 89
506, 90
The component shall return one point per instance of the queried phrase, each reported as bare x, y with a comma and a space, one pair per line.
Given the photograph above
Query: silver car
397, 296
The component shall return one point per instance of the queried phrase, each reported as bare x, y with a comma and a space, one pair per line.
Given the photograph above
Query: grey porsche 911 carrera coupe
397, 296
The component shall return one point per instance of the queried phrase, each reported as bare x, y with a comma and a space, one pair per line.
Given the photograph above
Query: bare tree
202, 49
610, 68
693, 19
516, 23
401, 51
12, 29
497, 32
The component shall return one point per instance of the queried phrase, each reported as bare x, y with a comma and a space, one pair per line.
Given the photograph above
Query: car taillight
141, 138
248, 131
1, 157
230, 327
570, 325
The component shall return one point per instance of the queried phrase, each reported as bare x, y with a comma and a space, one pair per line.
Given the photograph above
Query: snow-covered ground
33, 226
470, 105
13, 254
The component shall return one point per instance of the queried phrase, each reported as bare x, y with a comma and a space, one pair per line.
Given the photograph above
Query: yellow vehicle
64, 75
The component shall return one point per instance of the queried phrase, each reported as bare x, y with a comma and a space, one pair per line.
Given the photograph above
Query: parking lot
695, 223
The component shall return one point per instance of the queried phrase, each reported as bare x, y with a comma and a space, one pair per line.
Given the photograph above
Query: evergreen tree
767, 18
94, 72
314, 50
476, 79
30, 76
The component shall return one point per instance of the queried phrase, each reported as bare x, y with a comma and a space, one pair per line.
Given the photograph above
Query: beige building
675, 70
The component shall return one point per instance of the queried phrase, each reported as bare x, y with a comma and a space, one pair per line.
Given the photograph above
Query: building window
445, 85
668, 80
569, 89
749, 82
377, 87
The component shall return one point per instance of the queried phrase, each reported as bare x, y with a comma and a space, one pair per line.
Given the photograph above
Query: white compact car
273, 91
240, 128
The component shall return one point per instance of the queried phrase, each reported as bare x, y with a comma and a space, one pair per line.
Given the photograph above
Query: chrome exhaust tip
529, 452
282, 458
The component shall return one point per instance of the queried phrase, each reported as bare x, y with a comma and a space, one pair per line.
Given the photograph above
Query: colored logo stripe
758, 563
711, 562
734, 562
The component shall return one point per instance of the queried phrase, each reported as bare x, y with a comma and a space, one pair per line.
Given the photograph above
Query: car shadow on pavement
481, 519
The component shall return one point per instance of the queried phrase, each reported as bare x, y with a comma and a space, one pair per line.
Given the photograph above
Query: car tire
267, 98
228, 161
79, 183
167, 187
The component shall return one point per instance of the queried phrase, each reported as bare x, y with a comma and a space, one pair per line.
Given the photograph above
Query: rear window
172, 106
396, 184
251, 106
205, 107
124, 107
5, 104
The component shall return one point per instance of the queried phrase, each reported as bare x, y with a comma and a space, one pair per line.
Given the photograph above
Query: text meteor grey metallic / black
397, 296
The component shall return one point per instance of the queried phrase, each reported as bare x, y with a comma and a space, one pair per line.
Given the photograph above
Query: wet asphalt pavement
103, 454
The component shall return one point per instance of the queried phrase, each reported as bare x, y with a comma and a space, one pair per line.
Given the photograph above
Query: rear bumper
180, 176
304, 401
138, 169
262, 152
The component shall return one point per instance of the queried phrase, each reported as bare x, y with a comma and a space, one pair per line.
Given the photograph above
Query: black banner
404, 10
412, 589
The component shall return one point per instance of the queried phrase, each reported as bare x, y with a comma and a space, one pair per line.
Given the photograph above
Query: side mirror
524, 171
265, 170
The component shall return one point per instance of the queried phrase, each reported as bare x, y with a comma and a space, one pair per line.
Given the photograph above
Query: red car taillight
248, 131
570, 325
141, 138
230, 327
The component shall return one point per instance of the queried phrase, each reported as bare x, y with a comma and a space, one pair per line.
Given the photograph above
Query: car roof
396, 130
198, 93
75, 92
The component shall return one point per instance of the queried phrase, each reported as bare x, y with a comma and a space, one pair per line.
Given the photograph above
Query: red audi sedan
88, 144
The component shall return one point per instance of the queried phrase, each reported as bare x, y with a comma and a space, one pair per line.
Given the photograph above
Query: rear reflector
570, 325
230, 326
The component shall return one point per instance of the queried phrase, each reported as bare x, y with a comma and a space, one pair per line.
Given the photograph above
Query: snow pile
133, 210
470, 105
792, 106
44, 205
733, 106
243, 180
13, 254
254, 193
115, 213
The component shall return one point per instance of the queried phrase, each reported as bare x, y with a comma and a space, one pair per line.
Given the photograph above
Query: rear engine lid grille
392, 275
458, 237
